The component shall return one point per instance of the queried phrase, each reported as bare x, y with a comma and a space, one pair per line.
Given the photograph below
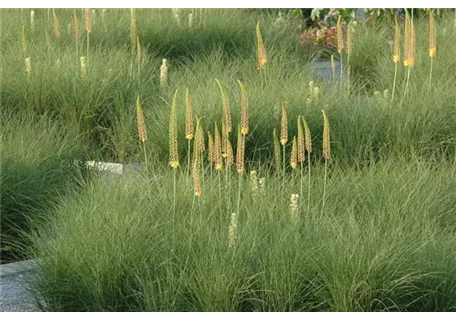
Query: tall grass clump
90, 260
38, 166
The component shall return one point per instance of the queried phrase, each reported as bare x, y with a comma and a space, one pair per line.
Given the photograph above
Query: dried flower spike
210, 148
56, 25
133, 28
229, 160
225, 107
432, 36
32, 20
284, 125
326, 138
244, 110
188, 117
138, 50
261, 51
196, 159
88, 20
75, 28
199, 137
294, 154
340, 35
277, 158
164, 74
217, 157
301, 142
349, 39
173, 144
142, 130
397, 40
240, 152
307, 136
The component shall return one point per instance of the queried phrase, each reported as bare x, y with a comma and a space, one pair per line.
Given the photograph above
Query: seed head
164, 73
88, 20
244, 110
397, 40
196, 161
75, 27
410, 39
142, 130
56, 25
326, 138
217, 157
173, 144
133, 28
210, 148
226, 107
199, 136
349, 39
432, 36
340, 35
301, 142
284, 125
32, 20
307, 136
294, 154
240, 152
261, 51
138, 51
188, 117
190, 20
277, 159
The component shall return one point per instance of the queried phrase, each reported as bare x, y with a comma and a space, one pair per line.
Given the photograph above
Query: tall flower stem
394, 83
324, 187
308, 187
188, 158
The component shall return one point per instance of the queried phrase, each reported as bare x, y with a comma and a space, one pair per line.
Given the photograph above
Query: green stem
302, 176
430, 73
324, 187
77, 58
145, 159
341, 72
220, 193
283, 165
191, 213
239, 194
88, 43
210, 168
229, 189
139, 71
308, 188
202, 170
347, 80
407, 81
394, 83
174, 201
188, 158
405, 87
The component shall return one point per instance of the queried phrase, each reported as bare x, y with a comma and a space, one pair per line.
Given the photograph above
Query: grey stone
14, 295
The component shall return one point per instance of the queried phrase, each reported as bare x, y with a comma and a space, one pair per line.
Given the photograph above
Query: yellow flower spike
173, 144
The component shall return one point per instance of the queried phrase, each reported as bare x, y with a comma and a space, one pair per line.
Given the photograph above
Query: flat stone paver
14, 297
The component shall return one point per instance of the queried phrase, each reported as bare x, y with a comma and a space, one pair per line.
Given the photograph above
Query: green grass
37, 167
384, 240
